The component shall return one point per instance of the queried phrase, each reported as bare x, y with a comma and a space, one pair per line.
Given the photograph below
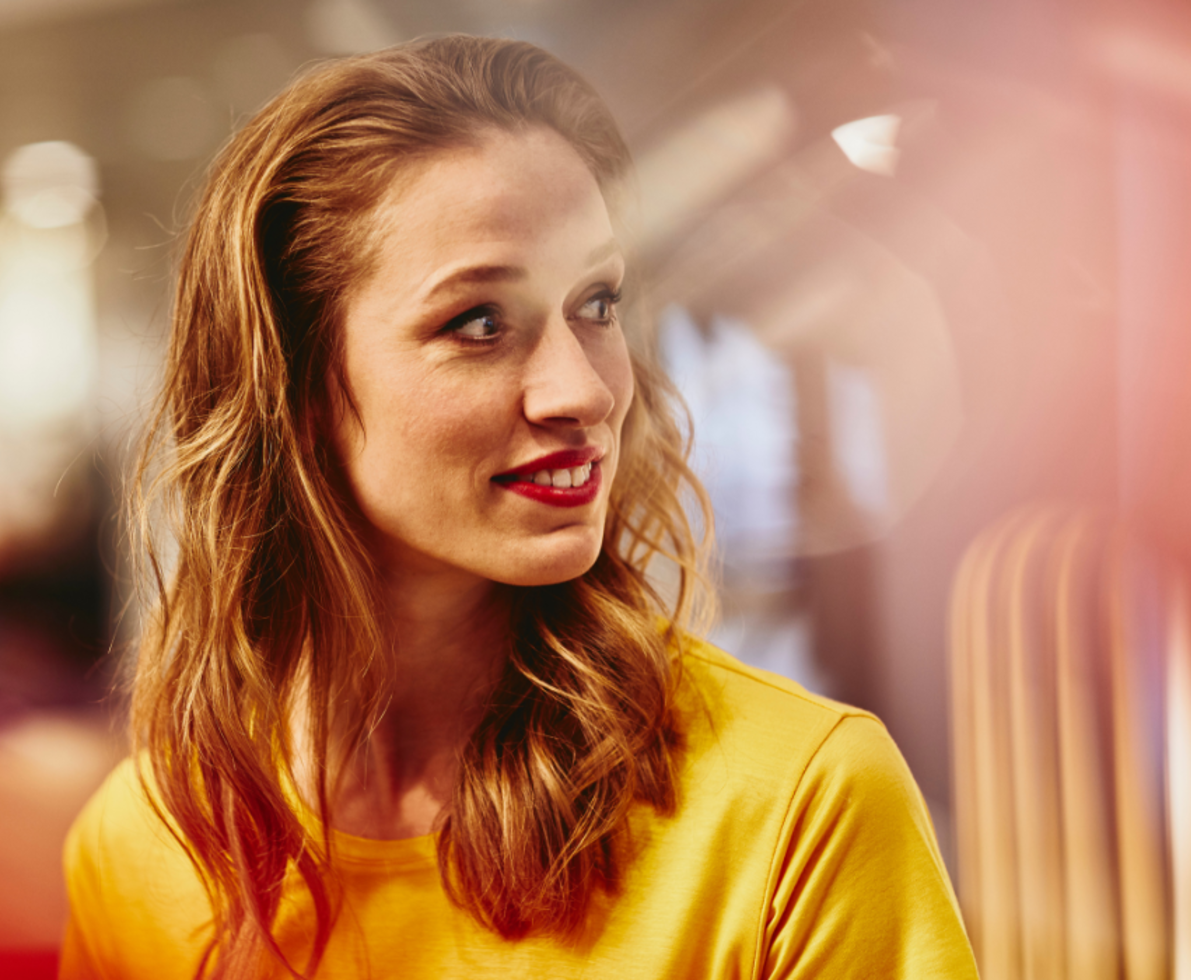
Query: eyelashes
481, 324
484, 324
605, 301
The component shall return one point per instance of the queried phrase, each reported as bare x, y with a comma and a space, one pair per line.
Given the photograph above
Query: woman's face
487, 365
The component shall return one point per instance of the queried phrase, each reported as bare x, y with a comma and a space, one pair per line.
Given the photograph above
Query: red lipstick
521, 479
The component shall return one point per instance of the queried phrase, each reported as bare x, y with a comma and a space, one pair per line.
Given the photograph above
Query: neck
447, 636
448, 645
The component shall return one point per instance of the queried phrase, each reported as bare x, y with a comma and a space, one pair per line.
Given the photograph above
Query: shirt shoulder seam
785, 832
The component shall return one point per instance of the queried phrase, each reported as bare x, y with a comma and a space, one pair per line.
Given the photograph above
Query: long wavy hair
263, 588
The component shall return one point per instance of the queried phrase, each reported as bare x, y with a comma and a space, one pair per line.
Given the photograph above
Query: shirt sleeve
861, 889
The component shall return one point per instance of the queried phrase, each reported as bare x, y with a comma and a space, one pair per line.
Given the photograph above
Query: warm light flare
871, 143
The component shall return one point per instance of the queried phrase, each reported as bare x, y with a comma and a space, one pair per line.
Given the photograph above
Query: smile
563, 479
566, 479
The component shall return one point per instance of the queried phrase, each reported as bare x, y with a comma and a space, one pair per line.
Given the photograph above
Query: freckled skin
445, 402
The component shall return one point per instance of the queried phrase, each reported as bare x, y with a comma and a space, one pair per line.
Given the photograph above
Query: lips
570, 478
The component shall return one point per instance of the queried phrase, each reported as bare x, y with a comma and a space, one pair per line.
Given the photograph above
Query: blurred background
916, 266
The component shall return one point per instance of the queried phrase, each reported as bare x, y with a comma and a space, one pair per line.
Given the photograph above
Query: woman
409, 705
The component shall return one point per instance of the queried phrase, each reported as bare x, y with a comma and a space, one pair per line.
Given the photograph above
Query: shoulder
820, 767
118, 821
708, 664
846, 858
131, 886
761, 748
767, 721
115, 814
119, 843
816, 756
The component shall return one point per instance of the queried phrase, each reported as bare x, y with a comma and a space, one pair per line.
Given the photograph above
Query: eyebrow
510, 273
607, 250
479, 273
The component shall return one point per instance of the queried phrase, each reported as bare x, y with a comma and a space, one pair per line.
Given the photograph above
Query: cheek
617, 372
416, 432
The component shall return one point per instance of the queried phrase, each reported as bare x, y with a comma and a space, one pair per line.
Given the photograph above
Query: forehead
503, 189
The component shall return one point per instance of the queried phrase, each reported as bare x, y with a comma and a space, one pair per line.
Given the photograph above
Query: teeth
576, 476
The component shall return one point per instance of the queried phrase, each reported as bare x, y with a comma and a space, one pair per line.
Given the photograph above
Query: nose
563, 384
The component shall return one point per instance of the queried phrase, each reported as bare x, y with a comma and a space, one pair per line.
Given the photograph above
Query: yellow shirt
801, 848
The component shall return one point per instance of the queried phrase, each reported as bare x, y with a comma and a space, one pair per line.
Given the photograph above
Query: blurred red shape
28, 964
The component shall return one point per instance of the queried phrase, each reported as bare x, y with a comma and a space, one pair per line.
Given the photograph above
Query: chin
559, 565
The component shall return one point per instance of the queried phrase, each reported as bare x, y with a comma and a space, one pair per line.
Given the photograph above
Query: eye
600, 308
478, 324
